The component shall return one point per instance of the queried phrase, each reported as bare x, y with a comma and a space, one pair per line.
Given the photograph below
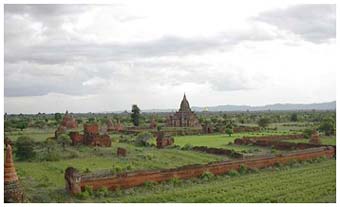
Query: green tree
22, 125
229, 131
64, 140
57, 117
294, 117
327, 126
50, 145
135, 116
24, 148
263, 122
143, 138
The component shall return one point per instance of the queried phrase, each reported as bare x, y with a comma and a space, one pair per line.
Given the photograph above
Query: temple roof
10, 173
185, 107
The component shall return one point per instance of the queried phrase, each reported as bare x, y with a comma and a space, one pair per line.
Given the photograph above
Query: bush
143, 138
52, 156
187, 147
307, 133
233, 173
175, 181
25, 148
149, 184
83, 195
101, 192
243, 169
207, 176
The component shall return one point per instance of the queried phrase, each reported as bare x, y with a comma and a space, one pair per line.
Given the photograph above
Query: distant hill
273, 107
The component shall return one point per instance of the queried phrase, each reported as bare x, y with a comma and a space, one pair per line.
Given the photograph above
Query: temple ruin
164, 140
13, 191
184, 117
69, 121
314, 138
91, 136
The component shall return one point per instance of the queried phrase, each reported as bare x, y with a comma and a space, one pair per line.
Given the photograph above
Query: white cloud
109, 57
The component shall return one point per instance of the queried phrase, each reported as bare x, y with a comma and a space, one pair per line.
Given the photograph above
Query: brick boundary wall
75, 182
276, 144
278, 137
217, 151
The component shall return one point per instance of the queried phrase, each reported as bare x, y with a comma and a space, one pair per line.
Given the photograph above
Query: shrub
143, 138
307, 133
175, 181
149, 184
83, 195
88, 189
101, 192
52, 156
243, 169
233, 173
207, 176
25, 148
187, 147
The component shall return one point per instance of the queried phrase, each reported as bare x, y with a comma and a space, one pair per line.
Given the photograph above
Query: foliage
307, 133
24, 148
229, 131
327, 126
135, 116
207, 176
187, 147
58, 117
263, 122
64, 140
294, 117
143, 138
233, 173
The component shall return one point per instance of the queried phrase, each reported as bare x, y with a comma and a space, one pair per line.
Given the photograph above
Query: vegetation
327, 126
135, 116
263, 122
24, 148
41, 160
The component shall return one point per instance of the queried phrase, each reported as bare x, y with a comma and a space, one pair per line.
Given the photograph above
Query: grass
105, 158
38, 135
223, 140
310, 183
299, 183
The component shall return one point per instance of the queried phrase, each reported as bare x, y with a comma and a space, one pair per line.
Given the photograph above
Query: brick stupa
13, 192
315, 138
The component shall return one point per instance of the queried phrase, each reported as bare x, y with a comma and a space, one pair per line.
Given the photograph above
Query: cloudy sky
107, 57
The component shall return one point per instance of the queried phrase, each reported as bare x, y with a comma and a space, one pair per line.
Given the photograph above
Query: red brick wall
76, 138
91, 128
278, 137
127, 180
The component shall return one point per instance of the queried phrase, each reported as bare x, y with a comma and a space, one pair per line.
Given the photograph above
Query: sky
98, 58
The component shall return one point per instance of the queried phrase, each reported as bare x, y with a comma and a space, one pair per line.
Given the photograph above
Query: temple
13, 191
184, 117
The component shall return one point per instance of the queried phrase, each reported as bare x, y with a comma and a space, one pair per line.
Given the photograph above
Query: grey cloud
35, 67
314, 22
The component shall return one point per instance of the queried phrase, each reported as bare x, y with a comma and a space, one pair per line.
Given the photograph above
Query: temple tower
13, 191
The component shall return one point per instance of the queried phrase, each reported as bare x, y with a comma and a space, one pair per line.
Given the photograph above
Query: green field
43, 181
299, 183
105, 159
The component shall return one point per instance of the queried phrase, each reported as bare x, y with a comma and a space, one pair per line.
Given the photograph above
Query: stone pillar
72, 181
13, 191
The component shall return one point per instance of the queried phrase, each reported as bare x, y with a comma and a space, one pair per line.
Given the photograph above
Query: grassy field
224, 141
43, 181
105, 158
306, 183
